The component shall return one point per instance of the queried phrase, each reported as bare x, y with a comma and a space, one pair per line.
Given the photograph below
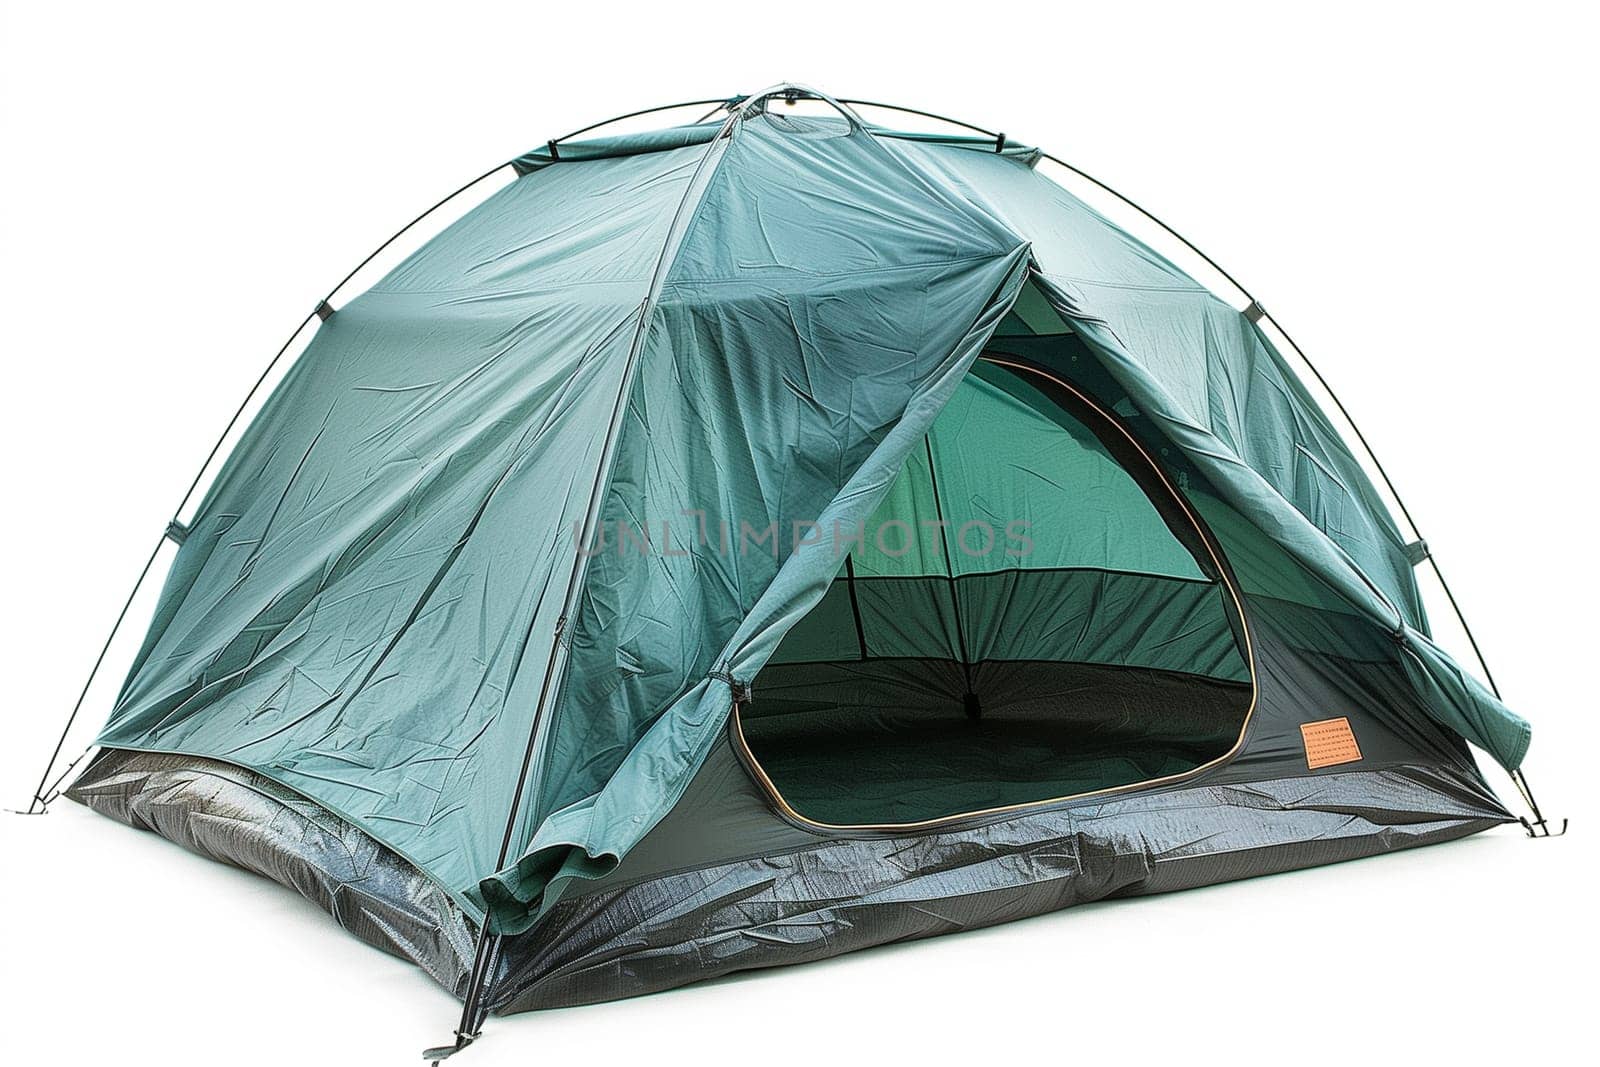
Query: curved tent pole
1255, 311
916, 111
473, 1011
1539, 825
46, 790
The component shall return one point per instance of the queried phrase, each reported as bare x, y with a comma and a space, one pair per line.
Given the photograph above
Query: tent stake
1538, 827
471, 1026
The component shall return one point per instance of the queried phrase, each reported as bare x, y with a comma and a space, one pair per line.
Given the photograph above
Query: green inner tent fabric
1019, 620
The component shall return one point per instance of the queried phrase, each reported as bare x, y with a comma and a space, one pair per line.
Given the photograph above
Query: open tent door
1033, 613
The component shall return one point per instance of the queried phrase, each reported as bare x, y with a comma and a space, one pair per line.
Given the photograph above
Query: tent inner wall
1030, 614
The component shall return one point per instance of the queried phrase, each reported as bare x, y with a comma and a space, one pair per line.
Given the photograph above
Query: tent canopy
392, 601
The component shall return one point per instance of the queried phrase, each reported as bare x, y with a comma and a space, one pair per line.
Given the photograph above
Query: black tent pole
474, 1008
969, 700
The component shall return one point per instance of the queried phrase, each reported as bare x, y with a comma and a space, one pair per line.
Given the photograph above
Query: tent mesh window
1032, 613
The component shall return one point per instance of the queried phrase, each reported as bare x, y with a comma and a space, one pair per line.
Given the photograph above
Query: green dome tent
745, 542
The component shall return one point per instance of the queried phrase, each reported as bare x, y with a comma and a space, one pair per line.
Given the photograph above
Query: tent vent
555, 156
177, 532
999, 143
1417, 551
1255, 312
324, 310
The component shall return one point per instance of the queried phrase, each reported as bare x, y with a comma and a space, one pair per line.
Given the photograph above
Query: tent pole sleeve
323, 311
721, 104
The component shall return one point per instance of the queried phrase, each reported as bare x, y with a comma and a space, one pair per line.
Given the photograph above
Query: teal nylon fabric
367, 602
363, 608
1225, 396
1100, 577
797, 354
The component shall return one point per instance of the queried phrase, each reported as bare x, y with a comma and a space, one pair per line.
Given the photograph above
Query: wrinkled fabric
834, 896
230, 815
363, 607
1224, 395
371, 591
818, 314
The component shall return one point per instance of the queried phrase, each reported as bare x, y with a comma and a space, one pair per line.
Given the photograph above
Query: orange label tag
1329, 742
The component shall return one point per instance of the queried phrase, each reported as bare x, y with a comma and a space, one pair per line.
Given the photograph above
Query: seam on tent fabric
742, 747
469, 909
1215, 679
1134, 286
745, 279
1075, 569
480, 295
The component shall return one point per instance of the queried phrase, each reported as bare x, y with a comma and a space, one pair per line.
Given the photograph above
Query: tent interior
1033, 612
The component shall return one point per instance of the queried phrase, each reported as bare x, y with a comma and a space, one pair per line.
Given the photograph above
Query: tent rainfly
754, 540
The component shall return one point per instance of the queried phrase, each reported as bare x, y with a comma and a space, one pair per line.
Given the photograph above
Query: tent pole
40, 802
477, 987
969, 699
472, 1013
855, 605
42, 796
1539, 826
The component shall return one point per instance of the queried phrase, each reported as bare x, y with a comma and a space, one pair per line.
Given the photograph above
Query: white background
1411, 189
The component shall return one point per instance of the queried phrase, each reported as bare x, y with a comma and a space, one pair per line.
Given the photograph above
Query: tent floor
942, 769
888, 742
